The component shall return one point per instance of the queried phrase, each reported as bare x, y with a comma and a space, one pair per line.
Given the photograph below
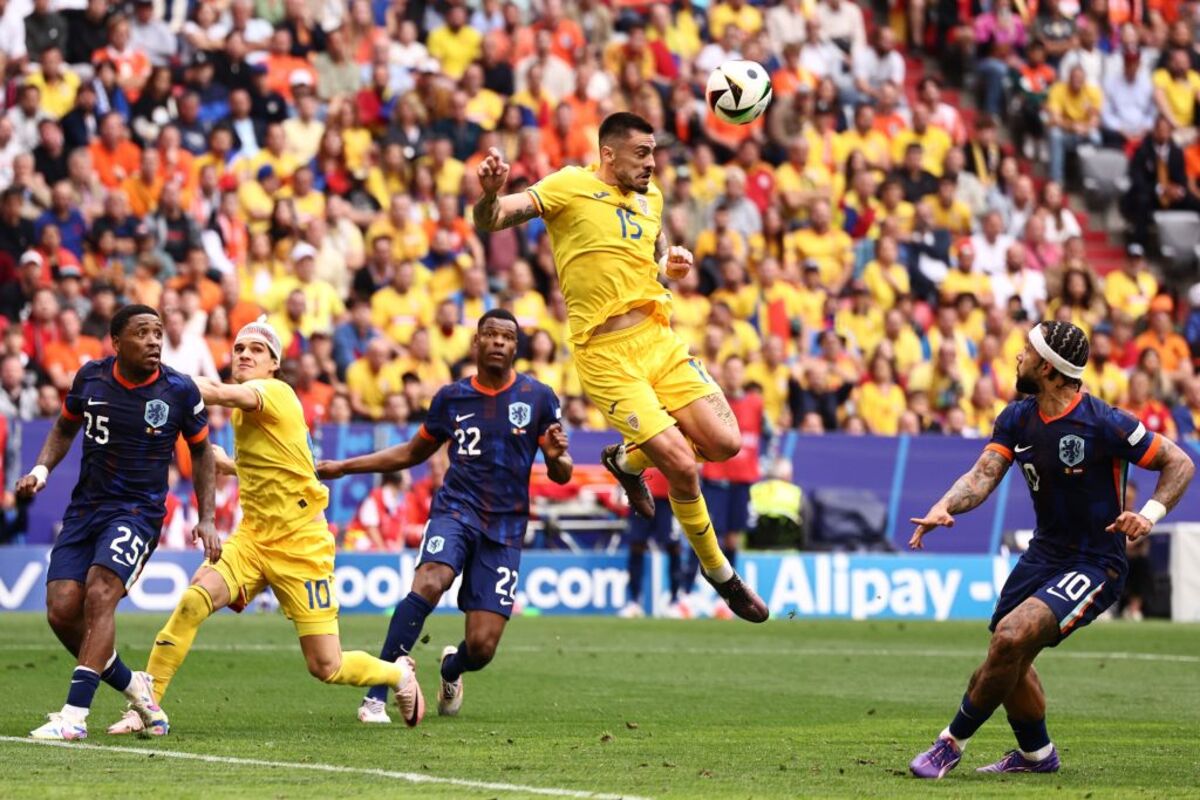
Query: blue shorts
111, 538
489, 570
1076, 591
728, 506
660, 530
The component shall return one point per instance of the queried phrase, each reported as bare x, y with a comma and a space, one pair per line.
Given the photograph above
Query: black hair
621, 124
498, 313
126, 313
1069, 342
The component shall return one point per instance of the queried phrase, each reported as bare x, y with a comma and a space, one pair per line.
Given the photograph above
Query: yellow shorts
638, 375
299, 567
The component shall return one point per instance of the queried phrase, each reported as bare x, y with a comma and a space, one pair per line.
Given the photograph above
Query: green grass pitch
662, 709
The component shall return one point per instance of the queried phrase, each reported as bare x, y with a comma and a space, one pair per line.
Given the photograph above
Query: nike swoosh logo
1020, 449
92, 402
164, 643
506, 602
460, 418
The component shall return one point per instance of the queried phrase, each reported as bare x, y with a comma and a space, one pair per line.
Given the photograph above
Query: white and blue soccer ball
739, 92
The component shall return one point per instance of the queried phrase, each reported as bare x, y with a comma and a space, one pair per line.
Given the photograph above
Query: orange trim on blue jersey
198, 436
66, 412
128, 385
424, 433
479, 387
1001, 449
537, 201
1071, 407
1151, 451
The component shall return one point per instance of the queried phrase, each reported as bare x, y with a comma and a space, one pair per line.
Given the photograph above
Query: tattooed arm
492, 211
1175, 473
968, 492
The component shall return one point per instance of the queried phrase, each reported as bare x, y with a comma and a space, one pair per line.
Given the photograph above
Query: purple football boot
935, 762
1015, 761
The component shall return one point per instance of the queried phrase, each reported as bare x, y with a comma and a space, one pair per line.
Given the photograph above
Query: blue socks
675, 572
462, 661
637, 570
116, 674
83, 688
403, 630
1031, 736
968, 720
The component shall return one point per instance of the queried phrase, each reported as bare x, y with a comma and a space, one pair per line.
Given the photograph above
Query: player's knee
323, 667
1007, 645
62, 614
724, 445
481, 649
101, 595
431, 584
195, 605
678, 464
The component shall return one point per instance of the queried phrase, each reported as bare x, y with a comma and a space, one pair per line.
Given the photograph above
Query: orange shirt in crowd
114, 166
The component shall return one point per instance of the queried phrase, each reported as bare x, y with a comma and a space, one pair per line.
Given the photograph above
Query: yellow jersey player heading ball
605, 225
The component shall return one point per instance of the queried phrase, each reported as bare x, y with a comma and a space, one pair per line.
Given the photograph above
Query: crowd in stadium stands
873, 250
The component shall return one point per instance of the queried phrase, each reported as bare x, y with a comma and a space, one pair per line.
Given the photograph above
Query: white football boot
450, 695
130, 722
632, 611
140, 694
409, 699
373, 712
60, 727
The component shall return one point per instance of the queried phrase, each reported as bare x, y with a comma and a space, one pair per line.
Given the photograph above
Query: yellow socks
634, 460
173, 642
693, 518
363, 669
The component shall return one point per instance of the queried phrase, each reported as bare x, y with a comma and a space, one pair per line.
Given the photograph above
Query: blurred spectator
1074, 108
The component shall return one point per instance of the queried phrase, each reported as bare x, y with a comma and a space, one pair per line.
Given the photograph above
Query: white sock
75, 713
961, 744
721, 573
1039, 755
623, 462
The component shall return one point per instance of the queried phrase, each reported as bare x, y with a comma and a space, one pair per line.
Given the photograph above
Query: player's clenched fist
493, 172
556, 442
329, 470
677, 262
28, 486
1132, 524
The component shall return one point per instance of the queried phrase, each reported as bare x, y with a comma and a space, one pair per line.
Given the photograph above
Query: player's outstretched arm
230, 395
204, 478
492, 211
57, 443
967, 493
402, 456
1175, 470
559, 465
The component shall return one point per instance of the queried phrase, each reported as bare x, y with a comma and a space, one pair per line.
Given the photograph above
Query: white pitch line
410, 777
803, 652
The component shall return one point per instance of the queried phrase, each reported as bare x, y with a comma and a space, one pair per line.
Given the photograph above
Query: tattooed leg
711, 427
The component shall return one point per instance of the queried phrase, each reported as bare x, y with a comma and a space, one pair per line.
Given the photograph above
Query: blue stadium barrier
909, 474
825, 586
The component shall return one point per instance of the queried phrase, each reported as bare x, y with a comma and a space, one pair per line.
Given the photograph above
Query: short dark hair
126, 313
621, 124
498, 313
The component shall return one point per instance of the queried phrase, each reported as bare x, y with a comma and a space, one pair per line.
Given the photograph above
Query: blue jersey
1076, 466
494, 439
129, 435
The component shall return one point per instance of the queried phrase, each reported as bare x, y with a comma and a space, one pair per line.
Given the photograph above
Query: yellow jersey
603, 242
276, 472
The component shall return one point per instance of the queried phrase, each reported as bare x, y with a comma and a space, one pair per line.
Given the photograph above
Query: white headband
1058, 362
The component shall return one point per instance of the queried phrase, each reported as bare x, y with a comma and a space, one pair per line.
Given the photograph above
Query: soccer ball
739, 91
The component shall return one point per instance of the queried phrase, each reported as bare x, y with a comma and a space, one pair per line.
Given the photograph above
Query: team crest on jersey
156, 414
435, 545
643, 204
1070, 450
519, 415
632, 419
